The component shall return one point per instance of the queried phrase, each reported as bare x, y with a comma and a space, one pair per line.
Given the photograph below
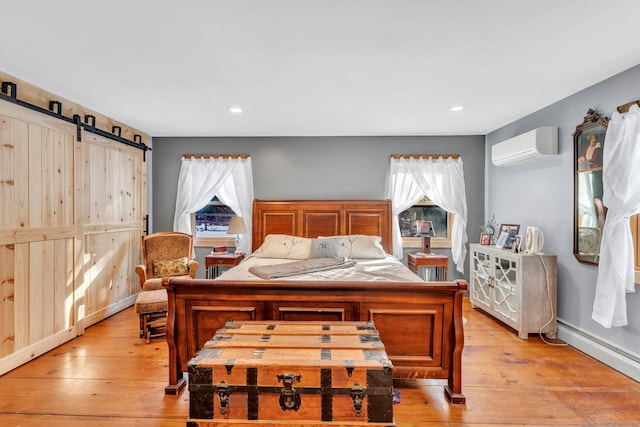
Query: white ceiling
317, 67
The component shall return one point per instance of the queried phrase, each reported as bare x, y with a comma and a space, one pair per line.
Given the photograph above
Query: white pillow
284, 246
359, 246
325, 248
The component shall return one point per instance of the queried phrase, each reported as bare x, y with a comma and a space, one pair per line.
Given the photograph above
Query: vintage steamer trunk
292, 373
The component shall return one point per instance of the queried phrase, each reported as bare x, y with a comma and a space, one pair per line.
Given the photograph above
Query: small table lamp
237, 227
426, 232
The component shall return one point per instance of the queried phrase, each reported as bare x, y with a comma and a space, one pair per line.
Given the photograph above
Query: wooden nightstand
212, 263
439, 262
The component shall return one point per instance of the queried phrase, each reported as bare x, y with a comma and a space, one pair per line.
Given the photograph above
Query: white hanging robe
621, 185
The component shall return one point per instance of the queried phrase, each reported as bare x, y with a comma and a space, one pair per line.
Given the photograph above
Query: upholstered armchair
166, 253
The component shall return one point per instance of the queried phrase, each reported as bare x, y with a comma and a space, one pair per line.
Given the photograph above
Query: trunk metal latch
289, 397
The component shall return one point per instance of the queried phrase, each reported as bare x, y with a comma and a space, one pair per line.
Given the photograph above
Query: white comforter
388, 269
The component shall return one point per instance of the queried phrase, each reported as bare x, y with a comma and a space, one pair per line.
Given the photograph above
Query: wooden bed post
176, 378
453, 389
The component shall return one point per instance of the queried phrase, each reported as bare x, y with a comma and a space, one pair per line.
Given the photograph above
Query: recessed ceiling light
456, 108
235, 110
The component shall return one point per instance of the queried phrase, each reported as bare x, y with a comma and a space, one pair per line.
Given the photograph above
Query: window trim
436, 242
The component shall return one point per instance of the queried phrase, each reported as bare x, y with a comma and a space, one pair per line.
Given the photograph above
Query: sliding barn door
114, 201
70, 228
37, 229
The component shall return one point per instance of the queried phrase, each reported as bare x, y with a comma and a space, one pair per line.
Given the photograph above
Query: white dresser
516, 288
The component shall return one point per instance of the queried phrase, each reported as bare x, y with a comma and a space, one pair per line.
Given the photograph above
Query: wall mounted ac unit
534, 144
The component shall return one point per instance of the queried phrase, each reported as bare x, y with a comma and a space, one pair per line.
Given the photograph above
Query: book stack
219, 250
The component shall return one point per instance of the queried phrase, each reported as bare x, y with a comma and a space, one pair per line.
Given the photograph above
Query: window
203, 176
426, 210
209, 224
441, 178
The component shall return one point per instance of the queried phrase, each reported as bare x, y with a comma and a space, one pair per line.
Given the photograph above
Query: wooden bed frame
419, 323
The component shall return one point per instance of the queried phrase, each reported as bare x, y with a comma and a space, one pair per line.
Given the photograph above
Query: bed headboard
313, 218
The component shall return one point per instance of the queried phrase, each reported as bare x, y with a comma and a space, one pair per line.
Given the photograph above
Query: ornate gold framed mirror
588, 140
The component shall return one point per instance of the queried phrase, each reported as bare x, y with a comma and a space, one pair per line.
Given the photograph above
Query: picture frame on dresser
515, 248
485, 239
507, 236
502, 239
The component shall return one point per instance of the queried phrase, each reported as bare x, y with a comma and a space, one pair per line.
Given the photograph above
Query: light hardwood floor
109, 377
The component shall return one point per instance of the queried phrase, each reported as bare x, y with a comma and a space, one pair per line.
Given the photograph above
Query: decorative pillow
172, 267
325, 248
284, 246
359, 246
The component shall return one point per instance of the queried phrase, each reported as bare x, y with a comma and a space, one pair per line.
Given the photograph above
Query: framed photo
502, 239
507, 236
485, 239
589, 148
516, 244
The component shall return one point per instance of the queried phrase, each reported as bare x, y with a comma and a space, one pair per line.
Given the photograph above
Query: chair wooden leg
147, 328
142, 325
154, 325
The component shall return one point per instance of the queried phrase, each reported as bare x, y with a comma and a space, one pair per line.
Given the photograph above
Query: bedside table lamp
426, 233
237, 227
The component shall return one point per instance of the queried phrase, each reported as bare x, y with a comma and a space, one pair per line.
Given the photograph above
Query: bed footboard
420, 324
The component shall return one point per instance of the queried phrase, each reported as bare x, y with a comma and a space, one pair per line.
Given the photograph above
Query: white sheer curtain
621, 187
442, 181
201, 178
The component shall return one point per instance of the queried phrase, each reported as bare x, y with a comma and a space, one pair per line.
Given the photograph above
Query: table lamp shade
426, 229
236, 226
